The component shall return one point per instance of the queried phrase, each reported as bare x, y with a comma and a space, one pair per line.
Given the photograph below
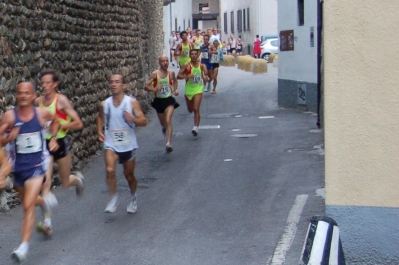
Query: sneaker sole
109, 211
80, 191
194, 133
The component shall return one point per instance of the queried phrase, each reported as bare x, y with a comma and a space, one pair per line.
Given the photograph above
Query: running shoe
132, 205
45, 229
46, 208
209, 87
194, 131
168, 148
19, 255
112, 204
80, 188
205, 88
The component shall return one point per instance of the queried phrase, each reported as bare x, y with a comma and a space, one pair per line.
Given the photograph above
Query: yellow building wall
361, 96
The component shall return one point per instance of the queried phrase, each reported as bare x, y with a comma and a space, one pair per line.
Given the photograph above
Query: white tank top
119, 134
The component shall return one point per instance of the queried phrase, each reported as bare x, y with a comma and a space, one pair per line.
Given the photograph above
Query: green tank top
194, 85
166, 90
197, 44
63, 118
184, 54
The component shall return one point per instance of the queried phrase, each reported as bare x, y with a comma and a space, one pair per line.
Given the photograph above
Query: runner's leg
215, 79
189, 103
196, 108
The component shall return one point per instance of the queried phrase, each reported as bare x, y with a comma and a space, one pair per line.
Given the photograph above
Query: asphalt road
242, 192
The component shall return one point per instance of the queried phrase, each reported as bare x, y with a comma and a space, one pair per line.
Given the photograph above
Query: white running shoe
112, 204
132, 206
80, 188
194, 131
45, 229
19, 255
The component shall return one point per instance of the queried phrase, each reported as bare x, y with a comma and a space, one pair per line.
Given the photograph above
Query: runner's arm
139, 118
66, 106
7, 122
45, 116
5, 167
182, 72
100, 122
174, 79
149, 85
178, 49
204, 73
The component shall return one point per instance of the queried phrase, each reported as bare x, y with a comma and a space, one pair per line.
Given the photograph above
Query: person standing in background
257, 49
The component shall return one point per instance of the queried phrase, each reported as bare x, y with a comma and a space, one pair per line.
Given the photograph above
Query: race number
197, 79
204, 55
184, 53
165, 91
28, 143
120, 137
215, 58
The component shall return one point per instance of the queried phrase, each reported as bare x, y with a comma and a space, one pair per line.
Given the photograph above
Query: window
248, 27
225, 23
239, 20
189, 23
184, 24
175, 24
301, 12
244, 20
232, 21
204, 8
274, 43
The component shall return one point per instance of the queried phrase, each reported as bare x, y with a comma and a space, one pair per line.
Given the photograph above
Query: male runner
214, 51
194, 72
205, 56
118, 115
163, 84
60, 106
197, 40
183, 49
28, 152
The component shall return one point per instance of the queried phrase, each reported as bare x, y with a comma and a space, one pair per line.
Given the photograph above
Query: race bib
215, 58
197, 45
204, 55
120, 137
197, 79
165, 91
28, 143
184, 53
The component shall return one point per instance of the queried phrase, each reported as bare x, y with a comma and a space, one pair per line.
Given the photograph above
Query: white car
268, 47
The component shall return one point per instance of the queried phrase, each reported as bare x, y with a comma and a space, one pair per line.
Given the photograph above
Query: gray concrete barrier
322, 245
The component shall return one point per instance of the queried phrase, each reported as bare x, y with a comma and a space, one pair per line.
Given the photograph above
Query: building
177, 17
298, 64
248, 18
361, 100
205, 14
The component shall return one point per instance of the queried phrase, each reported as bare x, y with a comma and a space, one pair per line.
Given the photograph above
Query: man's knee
130, 177
110, 172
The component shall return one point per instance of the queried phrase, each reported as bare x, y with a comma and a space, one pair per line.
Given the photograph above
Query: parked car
266, 37
268, 47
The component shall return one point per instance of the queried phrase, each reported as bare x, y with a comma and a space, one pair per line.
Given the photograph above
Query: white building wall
300, 64
180, 10
263, 18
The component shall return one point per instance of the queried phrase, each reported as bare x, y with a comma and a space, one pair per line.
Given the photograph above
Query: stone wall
86, 41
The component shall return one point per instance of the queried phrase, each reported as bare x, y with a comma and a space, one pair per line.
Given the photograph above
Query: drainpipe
170, 16
319, 58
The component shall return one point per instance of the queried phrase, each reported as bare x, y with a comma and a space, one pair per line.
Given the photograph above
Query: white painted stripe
204, 127
244, 135
288, 236
266, 117
236, 130
228, 160
334, 247
238, 116
316, 255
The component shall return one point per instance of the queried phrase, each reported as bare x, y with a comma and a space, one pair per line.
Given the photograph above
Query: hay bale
271, 57
275, 61
229, 61
240, 61
259, 66
248, 63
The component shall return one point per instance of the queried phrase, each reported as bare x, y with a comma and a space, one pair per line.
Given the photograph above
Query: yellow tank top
63, 118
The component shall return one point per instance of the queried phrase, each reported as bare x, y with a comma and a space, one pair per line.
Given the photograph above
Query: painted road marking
316, 131
228, 160
236, 130
204, 127
244, 135
266, 117
238, 116
288, 236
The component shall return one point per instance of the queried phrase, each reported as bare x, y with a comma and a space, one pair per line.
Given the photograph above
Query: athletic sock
133, 196
47, 222
24, 246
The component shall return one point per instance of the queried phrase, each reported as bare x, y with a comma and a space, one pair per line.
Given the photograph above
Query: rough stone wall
86, 41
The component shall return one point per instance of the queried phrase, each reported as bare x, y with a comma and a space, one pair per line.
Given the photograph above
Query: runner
172, 40
120, 114
5, 168
183, 49
194, 72
214, 36
28, 152
174, 53
163, 84
240, 45
205, 55
233, 45
60, 106
215, 54
197, 40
